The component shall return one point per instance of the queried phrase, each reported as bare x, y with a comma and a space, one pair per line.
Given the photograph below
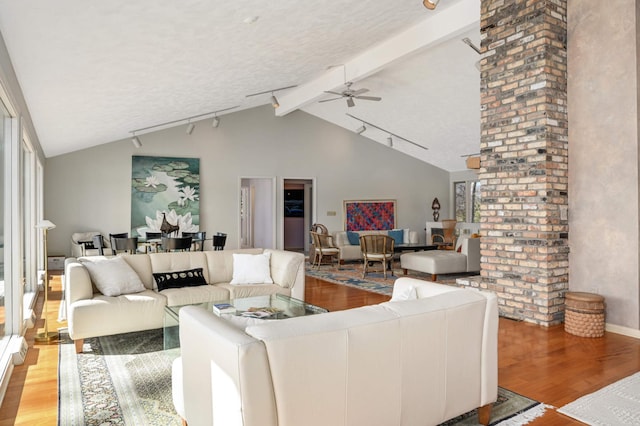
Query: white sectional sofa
436, 262
424, 357
91, 313
350, 251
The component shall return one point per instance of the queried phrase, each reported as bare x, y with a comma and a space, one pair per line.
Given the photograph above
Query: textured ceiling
91, 72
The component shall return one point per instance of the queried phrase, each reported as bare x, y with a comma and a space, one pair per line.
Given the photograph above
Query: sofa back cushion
285, 267
142, 265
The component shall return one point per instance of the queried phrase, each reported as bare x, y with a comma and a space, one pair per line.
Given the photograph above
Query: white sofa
350, 251
437, 262
403, 362
91, 313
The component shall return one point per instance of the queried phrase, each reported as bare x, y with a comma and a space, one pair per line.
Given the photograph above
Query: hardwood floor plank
547, 365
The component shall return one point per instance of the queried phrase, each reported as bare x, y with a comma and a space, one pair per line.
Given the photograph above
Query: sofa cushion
113, 276
192, 295
354, 238
251, 268
178, 279
397, 235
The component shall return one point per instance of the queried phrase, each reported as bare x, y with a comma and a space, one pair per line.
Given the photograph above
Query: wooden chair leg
79, 343
484, 414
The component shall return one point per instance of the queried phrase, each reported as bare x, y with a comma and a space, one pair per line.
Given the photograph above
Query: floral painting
164, 191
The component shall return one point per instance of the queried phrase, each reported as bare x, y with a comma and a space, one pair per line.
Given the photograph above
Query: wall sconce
435, 205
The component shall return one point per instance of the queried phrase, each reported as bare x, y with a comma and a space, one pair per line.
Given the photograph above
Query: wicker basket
584, 314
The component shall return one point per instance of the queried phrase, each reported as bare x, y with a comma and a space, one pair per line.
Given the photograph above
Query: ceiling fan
351, 94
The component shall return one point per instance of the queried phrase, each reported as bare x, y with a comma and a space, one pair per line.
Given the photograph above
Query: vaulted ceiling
91, 72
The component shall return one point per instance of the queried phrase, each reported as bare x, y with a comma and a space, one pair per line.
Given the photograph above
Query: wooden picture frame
369, 215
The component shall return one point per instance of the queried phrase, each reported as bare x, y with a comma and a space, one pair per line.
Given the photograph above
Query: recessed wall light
250, 19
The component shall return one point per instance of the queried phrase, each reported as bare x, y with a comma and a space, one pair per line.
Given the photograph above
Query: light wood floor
547, 365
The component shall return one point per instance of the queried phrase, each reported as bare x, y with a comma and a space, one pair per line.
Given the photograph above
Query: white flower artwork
164, 188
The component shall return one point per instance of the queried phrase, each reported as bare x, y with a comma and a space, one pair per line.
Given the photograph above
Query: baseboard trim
626, 331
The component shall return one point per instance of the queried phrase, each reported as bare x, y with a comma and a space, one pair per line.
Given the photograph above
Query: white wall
91, 189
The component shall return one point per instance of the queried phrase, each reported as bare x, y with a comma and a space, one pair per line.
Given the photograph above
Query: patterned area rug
350, 274
511, 409
616, 404
119, 380
126, 380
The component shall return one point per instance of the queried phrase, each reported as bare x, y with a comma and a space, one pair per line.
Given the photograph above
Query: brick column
524, 157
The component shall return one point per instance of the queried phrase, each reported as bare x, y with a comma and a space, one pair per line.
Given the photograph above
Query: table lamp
46, 336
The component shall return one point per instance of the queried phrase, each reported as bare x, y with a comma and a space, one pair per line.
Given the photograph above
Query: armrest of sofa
340, 239
413, 237
77, 282
287, 270
226, 373
471, 248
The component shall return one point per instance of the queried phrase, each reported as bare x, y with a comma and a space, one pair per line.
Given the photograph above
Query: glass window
467, 201
460, 208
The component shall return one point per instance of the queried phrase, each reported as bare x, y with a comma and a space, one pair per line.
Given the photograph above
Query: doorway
257, 212
298, 212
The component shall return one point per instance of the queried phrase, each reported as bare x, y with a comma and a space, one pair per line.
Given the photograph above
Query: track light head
430, 4
274, 101
215, 122
190, 128
390, 142
136, 141
360, 130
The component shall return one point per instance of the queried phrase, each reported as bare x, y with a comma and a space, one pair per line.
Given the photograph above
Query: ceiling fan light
274, 101
190, 128
215, 122
136, 142
350, 102
430, 4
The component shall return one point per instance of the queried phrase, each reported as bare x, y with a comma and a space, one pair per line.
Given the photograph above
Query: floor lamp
46, 336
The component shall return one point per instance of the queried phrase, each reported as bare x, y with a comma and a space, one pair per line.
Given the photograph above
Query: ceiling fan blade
359, 91
350, 102
332, 99
333, 93
369, 98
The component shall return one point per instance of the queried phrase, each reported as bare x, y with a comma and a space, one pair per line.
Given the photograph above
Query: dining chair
377, 248
126, 245
219, 240
99, 244
323, 247
113, 236
198, 239
152, 241
176, 243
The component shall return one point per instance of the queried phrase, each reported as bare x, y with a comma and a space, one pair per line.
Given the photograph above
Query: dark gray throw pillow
177, 279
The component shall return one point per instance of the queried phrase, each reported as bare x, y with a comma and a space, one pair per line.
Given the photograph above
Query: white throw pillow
113, 276
251, 268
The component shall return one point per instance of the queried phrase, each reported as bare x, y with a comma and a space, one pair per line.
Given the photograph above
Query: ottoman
434, 262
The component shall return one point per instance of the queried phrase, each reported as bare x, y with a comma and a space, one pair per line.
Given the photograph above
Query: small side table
584, 314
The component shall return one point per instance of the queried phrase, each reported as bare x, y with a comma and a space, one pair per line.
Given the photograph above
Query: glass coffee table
277, 306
